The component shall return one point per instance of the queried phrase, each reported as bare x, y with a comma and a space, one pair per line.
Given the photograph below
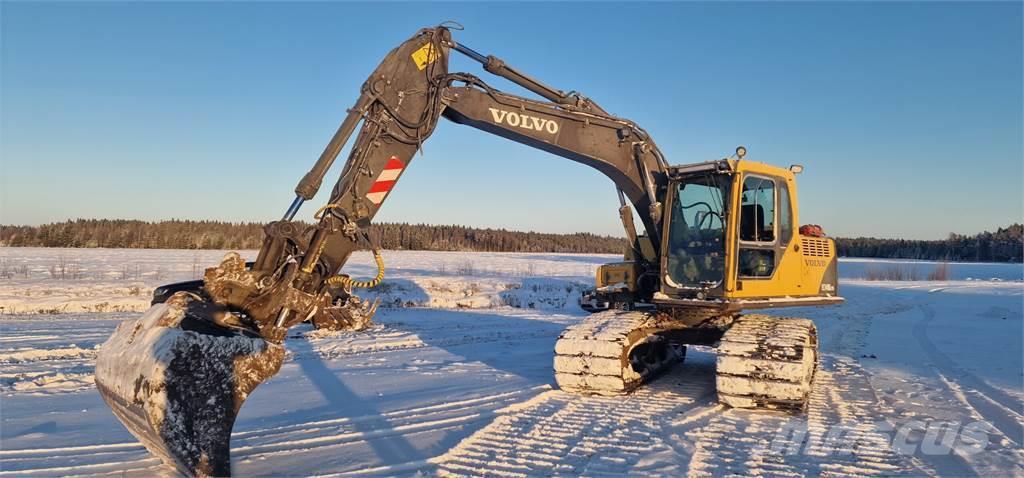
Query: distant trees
118, 233
180, 234
1004, 245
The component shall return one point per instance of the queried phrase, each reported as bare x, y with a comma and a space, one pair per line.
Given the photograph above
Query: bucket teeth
353, 315
177, 381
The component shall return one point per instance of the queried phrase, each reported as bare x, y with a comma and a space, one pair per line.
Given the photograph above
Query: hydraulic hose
348, 281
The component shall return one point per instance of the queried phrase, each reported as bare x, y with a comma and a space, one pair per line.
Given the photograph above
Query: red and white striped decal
385, 181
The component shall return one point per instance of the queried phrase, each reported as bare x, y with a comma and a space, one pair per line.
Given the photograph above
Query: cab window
696, 232
757, 227
757, 210
785, 215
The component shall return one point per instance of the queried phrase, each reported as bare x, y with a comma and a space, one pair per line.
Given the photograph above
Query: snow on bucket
177, 382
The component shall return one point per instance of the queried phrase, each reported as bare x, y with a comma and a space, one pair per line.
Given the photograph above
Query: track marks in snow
967, 398
844, 396
763, 443
565, 434
64, 380
52, 355
106, 458
24, 355
836, 437
437, 331
343, 430
991, 404
673, 426
22, 338
319, 436
47, 370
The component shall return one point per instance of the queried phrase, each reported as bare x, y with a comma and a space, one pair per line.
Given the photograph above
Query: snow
455, 378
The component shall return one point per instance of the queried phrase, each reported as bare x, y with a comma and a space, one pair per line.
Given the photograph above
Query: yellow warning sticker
424, 56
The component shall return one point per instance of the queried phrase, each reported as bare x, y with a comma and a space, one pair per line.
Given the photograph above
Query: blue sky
907, 116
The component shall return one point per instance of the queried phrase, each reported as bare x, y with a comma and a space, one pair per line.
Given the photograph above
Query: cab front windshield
696, 237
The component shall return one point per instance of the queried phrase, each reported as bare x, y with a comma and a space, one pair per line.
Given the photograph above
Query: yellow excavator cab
731, 240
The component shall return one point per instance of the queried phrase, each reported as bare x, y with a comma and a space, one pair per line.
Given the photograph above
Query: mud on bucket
177, 381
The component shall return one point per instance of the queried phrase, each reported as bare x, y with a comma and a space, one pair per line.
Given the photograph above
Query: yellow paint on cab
805, 260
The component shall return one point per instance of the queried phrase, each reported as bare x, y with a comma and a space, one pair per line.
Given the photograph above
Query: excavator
716, 238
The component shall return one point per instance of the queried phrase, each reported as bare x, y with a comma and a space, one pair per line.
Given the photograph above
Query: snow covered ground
916, 378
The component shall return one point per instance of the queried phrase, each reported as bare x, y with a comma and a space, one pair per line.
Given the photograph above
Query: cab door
764, 231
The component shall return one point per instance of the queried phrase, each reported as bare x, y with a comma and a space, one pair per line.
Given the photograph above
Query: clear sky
907, 116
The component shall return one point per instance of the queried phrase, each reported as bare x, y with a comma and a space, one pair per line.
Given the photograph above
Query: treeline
118, 233
425, 237
178, 234
1004, 245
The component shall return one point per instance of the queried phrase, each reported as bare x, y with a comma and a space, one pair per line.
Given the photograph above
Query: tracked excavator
717, 238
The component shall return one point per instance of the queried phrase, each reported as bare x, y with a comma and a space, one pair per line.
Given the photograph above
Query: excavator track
612, 353
767, 362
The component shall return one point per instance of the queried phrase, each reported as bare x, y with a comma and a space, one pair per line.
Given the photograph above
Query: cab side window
757, 210
785, 215
757, 227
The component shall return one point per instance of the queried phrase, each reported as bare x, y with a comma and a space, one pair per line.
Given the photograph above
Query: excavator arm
294, 278
177, 377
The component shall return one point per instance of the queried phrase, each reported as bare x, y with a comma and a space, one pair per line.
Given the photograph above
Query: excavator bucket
177, 381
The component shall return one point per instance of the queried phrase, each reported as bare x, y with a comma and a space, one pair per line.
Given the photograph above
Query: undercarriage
763, 361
